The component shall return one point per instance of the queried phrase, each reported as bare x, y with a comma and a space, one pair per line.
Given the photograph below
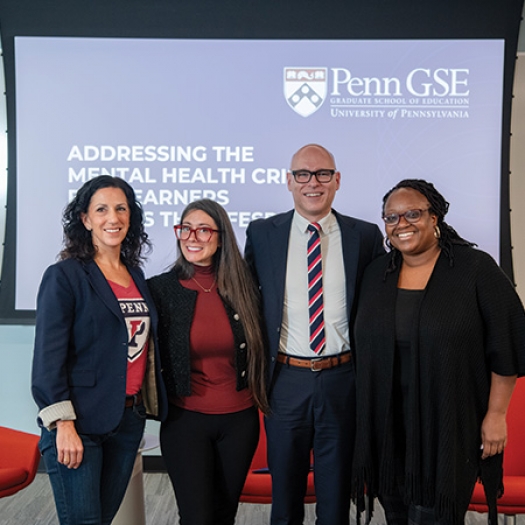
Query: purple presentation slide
185, 119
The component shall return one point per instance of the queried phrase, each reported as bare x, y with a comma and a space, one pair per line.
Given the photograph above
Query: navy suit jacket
81, 345
267, 252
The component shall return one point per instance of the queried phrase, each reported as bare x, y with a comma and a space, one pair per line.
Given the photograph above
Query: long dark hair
78, 242
439, 207
236, 286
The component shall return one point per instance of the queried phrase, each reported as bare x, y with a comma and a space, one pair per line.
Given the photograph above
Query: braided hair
448, 237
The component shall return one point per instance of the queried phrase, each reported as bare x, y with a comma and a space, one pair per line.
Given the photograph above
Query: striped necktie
315, 289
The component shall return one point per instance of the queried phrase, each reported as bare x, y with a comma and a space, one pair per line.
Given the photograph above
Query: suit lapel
102, 288
278, 241
350, 243
138, 278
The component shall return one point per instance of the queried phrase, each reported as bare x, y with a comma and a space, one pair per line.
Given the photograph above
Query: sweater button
236, 317
243, 373
242, 345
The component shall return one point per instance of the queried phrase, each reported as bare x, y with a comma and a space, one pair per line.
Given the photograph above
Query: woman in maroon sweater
213, 362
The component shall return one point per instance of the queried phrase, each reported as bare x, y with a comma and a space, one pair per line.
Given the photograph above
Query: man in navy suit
311, 383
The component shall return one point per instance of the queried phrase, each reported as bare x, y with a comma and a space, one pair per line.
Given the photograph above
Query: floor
34, 506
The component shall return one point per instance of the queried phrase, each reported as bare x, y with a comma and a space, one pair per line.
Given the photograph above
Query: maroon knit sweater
212, 353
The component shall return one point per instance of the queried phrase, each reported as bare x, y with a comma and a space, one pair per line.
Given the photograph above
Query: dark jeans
208, 457
91, 494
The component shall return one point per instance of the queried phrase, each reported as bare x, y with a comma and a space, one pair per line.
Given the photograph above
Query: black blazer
267, 252
176, 308
81, 345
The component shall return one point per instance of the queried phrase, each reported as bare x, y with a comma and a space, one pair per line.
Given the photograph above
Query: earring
437, 232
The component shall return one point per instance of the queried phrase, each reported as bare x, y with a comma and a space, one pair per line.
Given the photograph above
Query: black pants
208, 457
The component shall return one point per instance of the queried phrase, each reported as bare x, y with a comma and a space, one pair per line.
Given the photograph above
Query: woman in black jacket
213, 364
440, 340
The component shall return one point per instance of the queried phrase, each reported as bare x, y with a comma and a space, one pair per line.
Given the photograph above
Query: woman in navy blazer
96, 371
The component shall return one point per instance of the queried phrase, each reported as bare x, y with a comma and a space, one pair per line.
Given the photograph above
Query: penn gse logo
305, 88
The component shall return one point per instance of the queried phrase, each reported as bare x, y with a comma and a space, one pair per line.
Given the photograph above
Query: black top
407, 313
407, 304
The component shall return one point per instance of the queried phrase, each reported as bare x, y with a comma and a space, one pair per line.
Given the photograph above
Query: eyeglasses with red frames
183, 233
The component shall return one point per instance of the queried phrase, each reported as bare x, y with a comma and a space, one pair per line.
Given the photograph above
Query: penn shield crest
305, 88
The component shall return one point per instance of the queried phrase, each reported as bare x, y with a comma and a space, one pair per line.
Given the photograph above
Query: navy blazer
81, 345
267, 253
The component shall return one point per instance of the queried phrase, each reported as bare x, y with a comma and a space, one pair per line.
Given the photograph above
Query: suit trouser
311, 411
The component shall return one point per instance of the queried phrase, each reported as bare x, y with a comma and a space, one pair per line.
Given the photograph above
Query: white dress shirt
295, 325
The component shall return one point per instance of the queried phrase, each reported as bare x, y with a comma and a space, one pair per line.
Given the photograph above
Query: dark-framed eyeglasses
183, 233
411, 216
304, 176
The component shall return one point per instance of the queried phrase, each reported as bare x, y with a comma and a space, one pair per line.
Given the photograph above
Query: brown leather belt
318, 363
131, 401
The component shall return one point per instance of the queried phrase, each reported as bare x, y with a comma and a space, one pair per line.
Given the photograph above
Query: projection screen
187, 119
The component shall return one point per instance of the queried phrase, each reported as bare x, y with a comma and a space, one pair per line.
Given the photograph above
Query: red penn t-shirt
136, 314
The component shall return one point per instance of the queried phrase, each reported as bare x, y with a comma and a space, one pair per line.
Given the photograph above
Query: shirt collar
326, 222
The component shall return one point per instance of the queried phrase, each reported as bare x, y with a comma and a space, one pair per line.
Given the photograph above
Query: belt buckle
312, 364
